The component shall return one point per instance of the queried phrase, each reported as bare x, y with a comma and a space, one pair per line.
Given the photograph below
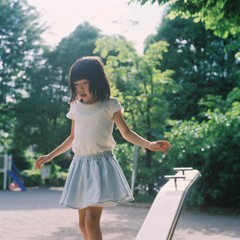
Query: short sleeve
115, 106
71, 112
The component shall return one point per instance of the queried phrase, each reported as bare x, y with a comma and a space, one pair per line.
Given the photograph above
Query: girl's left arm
131, 136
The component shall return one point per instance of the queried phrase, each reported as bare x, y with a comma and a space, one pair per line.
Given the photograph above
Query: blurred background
174, 68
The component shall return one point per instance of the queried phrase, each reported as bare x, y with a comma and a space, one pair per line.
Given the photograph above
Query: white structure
163, 215
5, 166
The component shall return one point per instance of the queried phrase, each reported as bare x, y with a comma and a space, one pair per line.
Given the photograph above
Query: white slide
163, 215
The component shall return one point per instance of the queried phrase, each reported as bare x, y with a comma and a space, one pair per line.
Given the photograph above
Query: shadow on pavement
42, 218
33, 198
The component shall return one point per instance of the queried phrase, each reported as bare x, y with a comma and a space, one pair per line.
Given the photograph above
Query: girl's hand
41, 160
160, 145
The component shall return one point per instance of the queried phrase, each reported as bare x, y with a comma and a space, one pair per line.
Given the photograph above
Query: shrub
212, 147
31, 178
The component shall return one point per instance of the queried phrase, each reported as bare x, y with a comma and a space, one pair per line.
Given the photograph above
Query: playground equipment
164, 213
10, 171
5, 165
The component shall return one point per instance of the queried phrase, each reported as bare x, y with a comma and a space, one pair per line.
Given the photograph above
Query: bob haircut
90, 68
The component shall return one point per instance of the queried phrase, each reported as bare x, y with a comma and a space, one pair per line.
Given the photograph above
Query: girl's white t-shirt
93, 126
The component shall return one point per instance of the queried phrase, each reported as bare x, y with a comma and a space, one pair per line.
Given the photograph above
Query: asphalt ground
36, 214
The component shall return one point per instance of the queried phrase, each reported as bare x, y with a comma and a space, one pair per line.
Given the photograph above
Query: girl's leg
89, 223
82, 226
92, 223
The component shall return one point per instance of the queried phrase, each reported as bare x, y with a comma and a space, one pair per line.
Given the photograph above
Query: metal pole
9, 167
5, 168
134, 172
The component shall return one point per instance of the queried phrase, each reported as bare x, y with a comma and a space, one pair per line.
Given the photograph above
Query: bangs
79, 72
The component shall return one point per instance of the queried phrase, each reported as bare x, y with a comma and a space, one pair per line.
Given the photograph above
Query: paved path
36, 215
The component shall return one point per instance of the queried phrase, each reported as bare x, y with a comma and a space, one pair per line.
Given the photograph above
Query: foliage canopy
20, 50
203, 64
185, 87
221, 16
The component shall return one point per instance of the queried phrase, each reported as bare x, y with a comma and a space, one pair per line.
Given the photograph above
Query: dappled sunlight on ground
36, 214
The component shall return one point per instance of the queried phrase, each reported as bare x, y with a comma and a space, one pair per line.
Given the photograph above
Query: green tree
141, 86
20, 49
211, 146
201, 62
41, 115
208, 76
221, 16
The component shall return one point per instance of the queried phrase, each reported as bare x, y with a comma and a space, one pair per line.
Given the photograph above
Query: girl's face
83, 93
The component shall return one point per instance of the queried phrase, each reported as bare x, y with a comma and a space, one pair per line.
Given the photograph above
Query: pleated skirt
95, 181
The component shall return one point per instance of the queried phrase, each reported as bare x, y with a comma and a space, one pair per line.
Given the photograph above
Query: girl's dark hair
90, 68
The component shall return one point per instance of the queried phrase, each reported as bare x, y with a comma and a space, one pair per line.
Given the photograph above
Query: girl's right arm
63, 147
129, 135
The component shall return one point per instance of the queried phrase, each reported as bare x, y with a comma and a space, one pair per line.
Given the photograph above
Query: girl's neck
92, 101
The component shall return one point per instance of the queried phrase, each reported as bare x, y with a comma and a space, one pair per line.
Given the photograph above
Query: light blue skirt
95, 181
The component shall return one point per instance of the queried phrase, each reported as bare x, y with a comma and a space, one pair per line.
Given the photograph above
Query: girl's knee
92, 219
91, 223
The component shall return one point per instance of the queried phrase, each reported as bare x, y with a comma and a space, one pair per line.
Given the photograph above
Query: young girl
95, 179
